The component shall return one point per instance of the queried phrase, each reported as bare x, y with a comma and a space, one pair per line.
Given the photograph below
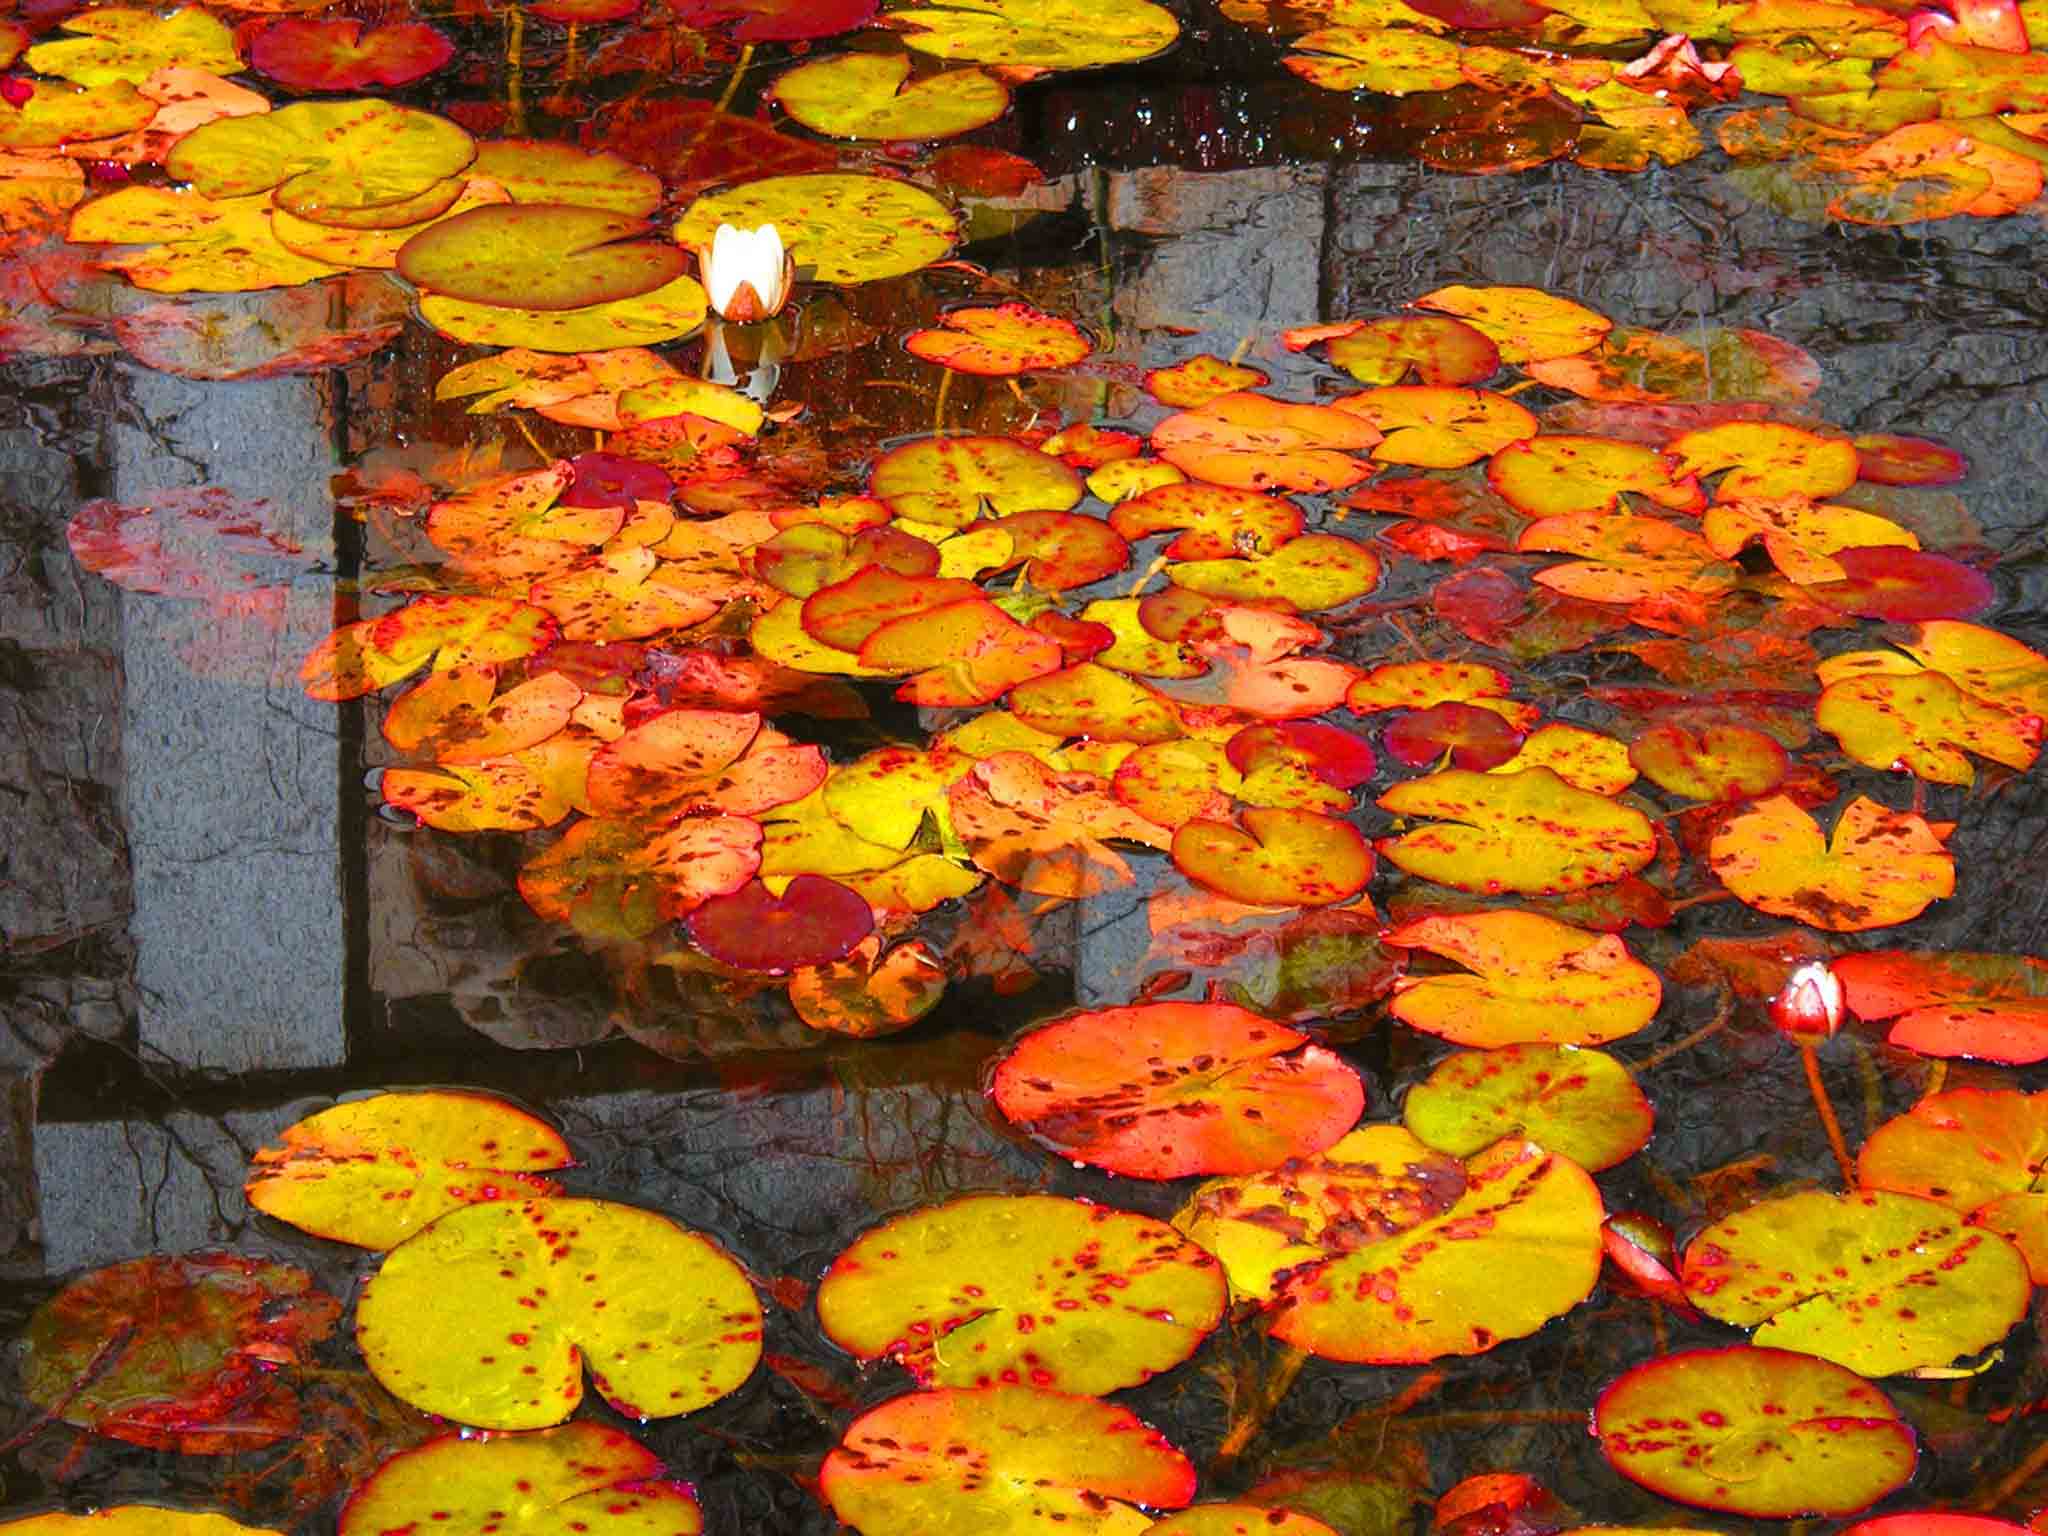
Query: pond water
224, 911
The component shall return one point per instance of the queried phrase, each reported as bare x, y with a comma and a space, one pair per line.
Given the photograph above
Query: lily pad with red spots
1002, 1461
178, 1353
1383, 1251
1880, 867
998, 340
1163, 1090
1023, 1290
954, 481
545, 256
373, 1171
1278, 857
1994, 1007
1767, 1433
1579, 1102
1980, 1151
1462, 735
1528, 832
1875, 1281
1714, 763
490, 1316
583, 1478
132, 1520
813, 922
1254, 443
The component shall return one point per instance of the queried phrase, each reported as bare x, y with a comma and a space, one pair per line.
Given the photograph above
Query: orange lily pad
1163, 1090
1255, 443
1526, 324
1529, 979
1716, 763
623, 879
1279, 858
1881, 867
1983, 1152
1953, 1003
1437, 349
998, 340
1215, 523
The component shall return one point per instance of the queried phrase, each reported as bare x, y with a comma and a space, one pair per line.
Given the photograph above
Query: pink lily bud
1809, 1010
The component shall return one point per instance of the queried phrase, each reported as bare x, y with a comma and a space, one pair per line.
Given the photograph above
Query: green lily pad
846, 229
545, 256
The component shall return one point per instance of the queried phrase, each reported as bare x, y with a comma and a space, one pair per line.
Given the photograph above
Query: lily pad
1023, 1290
1039, 34
1579, 1102
133, 1520
490, 1315
1767, 1433
1531, 979
545, 256
668, 313
178, 1353
1881, 867
1002, 1461
1980, 1151
846, 229
580, 1478
373, 1171
1875, 1281
871, 96
1528, 832
814, 921
995, 340
1953, 1003
955, 481
1163, 1090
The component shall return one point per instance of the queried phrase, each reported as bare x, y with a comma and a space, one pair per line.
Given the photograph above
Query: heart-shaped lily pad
1162, 1090
1980, 1151
813, 922
1280, 858
1579, 1102
1531, 979
1529, 832
490, 1315
1023, 1290
326, 160
133, 1520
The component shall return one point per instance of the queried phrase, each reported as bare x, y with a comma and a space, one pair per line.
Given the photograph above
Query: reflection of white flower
746, 272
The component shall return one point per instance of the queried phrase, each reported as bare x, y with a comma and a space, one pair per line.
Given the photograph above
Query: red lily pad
775, 21
201, 543
814, 922
1886, 458
338, 54
1890, 582
1035, 1290
178, 1353
1002, 1461
1473, 738
1993, 1007
1767, 1433
1163, 1090
610, 480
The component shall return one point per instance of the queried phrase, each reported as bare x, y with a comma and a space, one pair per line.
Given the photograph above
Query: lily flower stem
732, 86
515, 67
1810, 1059
939, 407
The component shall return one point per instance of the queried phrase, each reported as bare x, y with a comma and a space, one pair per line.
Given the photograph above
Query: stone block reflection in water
1184, 553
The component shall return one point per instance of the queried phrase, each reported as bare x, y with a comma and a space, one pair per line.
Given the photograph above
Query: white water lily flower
746, 272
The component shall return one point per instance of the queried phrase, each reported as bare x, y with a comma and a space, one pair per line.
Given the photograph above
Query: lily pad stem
1811, 1061
732, 86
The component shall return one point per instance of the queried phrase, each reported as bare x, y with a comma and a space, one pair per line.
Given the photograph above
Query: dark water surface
211, 930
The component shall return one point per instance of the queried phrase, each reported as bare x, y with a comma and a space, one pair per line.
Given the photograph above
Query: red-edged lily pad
1980, 1151
1163, 1090
337, 53
1002, 1461
1767, 1433
1579, 1102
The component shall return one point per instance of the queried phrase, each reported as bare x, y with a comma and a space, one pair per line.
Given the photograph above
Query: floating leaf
1023, 1290
1039, 34
1561, 473
453, 717
1312, 573
1391, 1254
1279, 857
865, 96
1528, 832
1926, 725
994, 340
955, 481
1766, 1433
452, 631
813, 921
1526, 324
340, 54
1439, 428
1201, 379
1875, 1281
545, 256
1578, 1102
1163, 1090
1044, 831
1392, 61
578, 1478
1881, 867
620, 879
191, 242
1435, 348
132, 1520
326, 160
1238, 1520
177, 1353
1466, 735
373, 1171
1531, 979
1627, 559
53, 116
847, 229
666, 314
522, 1296
547, 171
1983, 1152
1953, 1004
1715, 763
869, 993
1254, 442
1028, 1463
